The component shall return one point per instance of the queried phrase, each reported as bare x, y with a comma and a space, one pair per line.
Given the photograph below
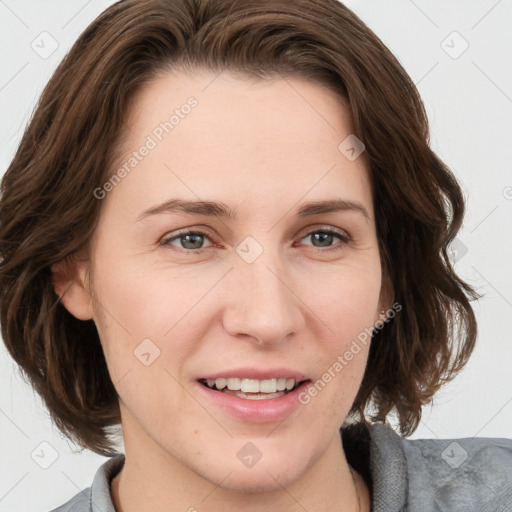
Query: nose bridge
262, 304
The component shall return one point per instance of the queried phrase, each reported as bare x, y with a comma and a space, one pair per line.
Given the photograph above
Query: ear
69, 280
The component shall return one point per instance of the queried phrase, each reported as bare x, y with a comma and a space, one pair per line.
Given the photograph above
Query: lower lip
256, 411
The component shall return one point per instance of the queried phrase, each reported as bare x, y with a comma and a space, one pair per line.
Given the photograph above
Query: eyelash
343, 236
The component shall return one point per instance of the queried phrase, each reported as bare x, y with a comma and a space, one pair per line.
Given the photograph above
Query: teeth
219, 383
255, 396
281, 384
267, 386
234, 384
252, 385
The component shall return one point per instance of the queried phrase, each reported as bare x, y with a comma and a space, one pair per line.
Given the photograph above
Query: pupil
197, 237
324, 236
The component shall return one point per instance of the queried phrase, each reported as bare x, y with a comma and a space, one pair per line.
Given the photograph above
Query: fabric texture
404, 475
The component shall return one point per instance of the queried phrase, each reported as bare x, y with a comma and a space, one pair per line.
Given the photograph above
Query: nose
262, 305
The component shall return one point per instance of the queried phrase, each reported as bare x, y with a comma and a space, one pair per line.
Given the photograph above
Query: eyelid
342, 233
188, 231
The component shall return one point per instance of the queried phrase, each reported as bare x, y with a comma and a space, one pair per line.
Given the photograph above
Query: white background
469, 103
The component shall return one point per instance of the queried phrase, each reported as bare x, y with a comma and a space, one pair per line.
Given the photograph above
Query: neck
151, 480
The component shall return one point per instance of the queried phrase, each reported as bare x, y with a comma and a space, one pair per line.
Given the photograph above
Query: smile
252, 389
253, 407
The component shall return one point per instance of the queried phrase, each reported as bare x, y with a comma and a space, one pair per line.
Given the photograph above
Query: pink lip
255, 411
258, 374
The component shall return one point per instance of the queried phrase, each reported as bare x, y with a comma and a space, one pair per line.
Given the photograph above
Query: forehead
212, 135
291, 109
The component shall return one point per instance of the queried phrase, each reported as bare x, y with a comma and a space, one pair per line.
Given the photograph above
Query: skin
263, 148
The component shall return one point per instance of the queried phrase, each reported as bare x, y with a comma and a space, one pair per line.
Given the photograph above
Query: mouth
252, 400
253, 389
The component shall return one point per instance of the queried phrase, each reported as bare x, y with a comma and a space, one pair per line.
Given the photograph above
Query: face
266, 293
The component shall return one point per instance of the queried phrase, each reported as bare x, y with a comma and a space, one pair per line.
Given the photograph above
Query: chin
265, 480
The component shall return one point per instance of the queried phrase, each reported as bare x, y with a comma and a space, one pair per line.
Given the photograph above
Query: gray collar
376, 452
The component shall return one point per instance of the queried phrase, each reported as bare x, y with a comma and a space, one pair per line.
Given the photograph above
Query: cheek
344, 315
143, 303
144, 310
346, 299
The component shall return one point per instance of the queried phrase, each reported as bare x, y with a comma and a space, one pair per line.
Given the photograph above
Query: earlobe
68, 277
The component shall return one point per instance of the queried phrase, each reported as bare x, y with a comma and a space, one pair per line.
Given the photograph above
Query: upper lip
258, 374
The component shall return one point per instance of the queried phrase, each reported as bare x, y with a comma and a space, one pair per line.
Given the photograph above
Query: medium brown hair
48, 212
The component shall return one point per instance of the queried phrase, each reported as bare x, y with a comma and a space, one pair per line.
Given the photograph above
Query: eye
190, 241
324, 238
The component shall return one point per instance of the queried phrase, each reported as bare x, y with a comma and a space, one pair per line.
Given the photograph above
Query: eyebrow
221, 210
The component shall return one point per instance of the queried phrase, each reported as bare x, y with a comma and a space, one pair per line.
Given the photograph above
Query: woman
224, 229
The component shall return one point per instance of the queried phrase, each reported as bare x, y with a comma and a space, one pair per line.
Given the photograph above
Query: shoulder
460, 474
98, 496
449, 474
79, 503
